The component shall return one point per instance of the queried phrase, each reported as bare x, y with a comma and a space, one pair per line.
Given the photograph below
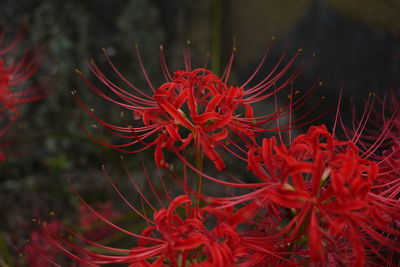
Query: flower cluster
315, 199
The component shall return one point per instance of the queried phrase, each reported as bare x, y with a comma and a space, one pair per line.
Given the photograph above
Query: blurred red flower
14, 71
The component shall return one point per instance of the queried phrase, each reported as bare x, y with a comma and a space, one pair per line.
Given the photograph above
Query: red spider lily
38, 252
180, 234
326, 187
172, 239
14, 72
193, 107
377, 134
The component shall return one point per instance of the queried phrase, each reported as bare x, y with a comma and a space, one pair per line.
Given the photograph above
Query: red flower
41, 252
192, 107
14, 72
326, 187
38, 251
183, 235
377, 135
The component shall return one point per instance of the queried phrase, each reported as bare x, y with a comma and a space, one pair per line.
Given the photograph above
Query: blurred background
356, 46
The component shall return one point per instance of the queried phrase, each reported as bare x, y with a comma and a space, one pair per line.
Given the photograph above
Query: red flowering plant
320, 188
39, 250
376, 133
14, 71
179, 234
314, 203
194, 107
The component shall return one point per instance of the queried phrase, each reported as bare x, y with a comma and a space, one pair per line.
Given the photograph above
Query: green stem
199, 166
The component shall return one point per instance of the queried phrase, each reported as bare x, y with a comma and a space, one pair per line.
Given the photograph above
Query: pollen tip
234, 49
313, 54
322, 97
52, 213
104, 50
136, 45
103, 167
320, 83
77, 71
161, 47
188, 42
121, 157
300, 49
273, 38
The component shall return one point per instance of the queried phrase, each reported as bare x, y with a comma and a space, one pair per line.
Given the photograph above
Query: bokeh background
356, 43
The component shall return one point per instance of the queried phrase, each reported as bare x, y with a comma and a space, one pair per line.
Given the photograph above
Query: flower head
194, 107
179, 234
325, 187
